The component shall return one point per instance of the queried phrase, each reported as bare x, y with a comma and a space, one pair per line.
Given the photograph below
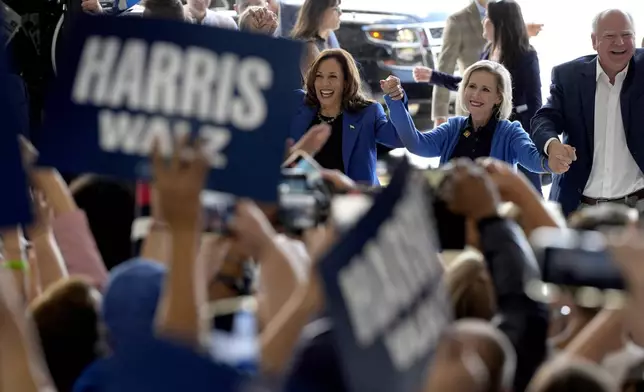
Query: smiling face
329, 83
614, 41
482, 94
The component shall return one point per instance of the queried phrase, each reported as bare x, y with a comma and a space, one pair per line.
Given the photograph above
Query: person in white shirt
596, 104
200, 12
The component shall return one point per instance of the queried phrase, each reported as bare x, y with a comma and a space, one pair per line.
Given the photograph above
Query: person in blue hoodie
486, 93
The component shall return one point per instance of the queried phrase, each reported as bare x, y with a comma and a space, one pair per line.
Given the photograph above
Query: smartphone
303, 203
218, 211
302, 161
575, 258
450, 226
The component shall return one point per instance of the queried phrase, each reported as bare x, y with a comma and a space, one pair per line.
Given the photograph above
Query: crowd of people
79, 300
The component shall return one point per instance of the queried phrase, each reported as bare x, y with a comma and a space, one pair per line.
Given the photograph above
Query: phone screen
581, 267
218, 211
575, 258
303, 162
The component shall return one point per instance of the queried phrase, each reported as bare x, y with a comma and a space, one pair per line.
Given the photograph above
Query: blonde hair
504, 85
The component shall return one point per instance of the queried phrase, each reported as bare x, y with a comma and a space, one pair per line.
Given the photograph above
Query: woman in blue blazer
486, 93
508, 44
333, 96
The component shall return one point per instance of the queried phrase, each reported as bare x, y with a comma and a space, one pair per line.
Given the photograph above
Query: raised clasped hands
560, 156
264, 20
392, 87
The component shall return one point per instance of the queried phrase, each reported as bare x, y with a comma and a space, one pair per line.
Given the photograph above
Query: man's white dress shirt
614, 173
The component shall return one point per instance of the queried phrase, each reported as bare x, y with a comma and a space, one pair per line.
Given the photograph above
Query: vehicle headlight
395, 35
406, 35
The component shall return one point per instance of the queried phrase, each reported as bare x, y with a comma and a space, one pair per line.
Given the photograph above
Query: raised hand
534, 29
392, 87
312, 141
422, 74
179, 183
469, 190
251, 227
508, 181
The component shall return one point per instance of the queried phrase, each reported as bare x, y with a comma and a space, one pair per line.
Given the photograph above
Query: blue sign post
128, 82
15, 205
384, 290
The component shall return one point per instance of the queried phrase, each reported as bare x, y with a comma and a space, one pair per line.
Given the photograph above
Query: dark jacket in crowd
512, 264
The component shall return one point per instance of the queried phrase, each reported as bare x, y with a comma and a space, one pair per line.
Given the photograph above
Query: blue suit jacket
360, 133
570, 111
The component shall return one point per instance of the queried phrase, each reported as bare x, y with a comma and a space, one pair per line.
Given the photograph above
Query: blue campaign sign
129, 81
15, 205
384, 290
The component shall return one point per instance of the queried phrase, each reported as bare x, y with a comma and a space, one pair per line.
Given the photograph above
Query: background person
316, 20
602, 139
507, 43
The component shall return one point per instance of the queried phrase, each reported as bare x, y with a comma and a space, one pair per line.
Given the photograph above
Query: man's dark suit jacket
570, 111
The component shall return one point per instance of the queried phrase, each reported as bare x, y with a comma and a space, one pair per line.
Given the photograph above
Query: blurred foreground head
610, 215
473, 356
571, 374
470, 287
68, 322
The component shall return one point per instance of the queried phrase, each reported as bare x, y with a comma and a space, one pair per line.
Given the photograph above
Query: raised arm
526, 152
429, 144
445, 80
450, 52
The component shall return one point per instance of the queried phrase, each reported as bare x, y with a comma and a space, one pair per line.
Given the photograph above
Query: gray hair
503, 85
602, 14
